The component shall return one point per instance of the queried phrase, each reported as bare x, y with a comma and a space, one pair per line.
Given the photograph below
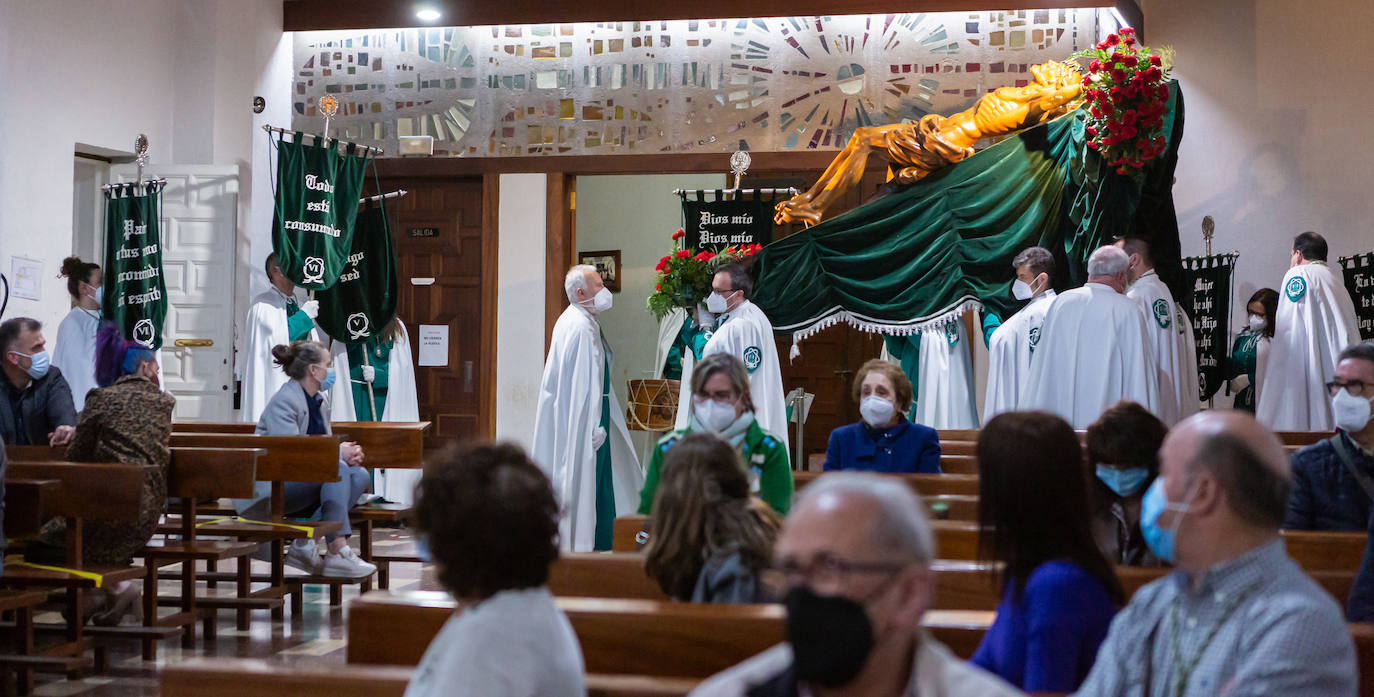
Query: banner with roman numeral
135, 295
316, 205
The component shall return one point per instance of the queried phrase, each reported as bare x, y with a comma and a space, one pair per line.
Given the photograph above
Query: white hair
576, 278
1108, 261
902, 526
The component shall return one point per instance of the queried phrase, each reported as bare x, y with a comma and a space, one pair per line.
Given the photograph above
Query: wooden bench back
956, 507
603, 575
1325, 551
203, 473
1302, 438
100, 490
922, 484
959, 464
395, 444
286, 458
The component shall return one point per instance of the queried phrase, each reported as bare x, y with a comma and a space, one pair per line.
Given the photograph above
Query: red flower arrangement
1127, 94
684, 278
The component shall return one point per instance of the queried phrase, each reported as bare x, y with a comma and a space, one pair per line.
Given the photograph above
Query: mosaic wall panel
786, 83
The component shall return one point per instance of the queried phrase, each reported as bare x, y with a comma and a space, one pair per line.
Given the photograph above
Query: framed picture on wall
607, 264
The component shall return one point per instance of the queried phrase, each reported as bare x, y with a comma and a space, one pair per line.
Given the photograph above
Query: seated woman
1059, 593
1123, 450
127, 419
1251, 348
883, 440
711, 540
721, 405
299, 408
490, 519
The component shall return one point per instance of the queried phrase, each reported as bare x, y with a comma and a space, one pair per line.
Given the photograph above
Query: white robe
74, 352
945, 396
746, 333
1009, 356
1175, 362
1093, 352
395, 485
1316, 321
567, 416
266, 327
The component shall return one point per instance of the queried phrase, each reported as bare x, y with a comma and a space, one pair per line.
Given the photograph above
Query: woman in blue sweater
1059, 593
883, 440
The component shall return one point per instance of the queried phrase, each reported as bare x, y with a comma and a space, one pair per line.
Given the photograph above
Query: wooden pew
1325, 551
1301, 439
922, 484
949, 464
952, 507
619, 637
602, 575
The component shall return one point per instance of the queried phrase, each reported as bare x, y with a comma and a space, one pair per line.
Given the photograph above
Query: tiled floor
317, 636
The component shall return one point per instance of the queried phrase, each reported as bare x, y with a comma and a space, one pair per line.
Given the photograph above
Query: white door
199, 227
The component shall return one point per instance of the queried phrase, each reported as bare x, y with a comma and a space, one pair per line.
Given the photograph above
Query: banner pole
371, 398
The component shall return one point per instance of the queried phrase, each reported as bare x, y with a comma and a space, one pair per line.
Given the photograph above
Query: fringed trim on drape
836, 315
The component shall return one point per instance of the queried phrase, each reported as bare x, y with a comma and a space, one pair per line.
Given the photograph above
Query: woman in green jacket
721, 405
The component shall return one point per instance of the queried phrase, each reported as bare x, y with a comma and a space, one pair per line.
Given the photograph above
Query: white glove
704, 318
369, 373
311, 308
1240, 382
598, 438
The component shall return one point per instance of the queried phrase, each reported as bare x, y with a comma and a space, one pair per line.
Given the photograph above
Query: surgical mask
876, 411
328, 381
717, 303
1351, 412
1022, 290
1257, 323
38, 363
714, 415
1159, 540
831, 637
1124, 481
99, 294
599, 302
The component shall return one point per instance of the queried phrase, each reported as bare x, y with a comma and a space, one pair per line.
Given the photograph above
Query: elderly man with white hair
853, 566
1094, 348
580, 438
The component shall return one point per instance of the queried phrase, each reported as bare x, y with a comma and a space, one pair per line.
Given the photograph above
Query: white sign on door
433, 345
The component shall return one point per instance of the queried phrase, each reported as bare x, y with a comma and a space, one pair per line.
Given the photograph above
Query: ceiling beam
310, 15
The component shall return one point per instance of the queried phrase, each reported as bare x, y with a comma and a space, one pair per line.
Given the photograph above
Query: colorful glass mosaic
787, 83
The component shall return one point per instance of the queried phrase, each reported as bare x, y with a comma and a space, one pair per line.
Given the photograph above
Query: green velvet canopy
918, 258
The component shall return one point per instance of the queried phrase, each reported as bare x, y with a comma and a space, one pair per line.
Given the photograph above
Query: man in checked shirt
1238, 618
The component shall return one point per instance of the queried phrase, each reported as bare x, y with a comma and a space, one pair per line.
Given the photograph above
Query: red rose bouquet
1127, 91
684, 277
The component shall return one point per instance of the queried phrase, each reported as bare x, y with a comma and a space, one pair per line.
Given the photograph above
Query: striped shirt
1255, 625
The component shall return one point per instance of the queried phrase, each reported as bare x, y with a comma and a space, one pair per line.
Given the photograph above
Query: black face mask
831, 637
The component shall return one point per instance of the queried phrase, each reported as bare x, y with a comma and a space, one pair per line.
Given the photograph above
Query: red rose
1096, 112
1127, 31
1087, 80
1137, 164
679, 234
1117, 94
1163, 92
1118, 75
683, 254
1154, 73
658, 286
1113, 39
1133, 91
1093, 144
1102, 45
1156, 60
1130, 61
1092, 131
661, 265
1095, 66
1129, 132
1142, 145
1129, 117
1121, 171
1128, 41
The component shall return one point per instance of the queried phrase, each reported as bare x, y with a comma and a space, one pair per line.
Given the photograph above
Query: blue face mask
328, 381
1159, 540
1125, 482
38, 363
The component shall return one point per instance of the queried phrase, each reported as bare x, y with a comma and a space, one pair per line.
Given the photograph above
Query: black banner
1359, 281
745, 219
1210, 281
364, 299
136, 295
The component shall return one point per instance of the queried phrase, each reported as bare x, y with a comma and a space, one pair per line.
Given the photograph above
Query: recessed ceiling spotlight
427, 14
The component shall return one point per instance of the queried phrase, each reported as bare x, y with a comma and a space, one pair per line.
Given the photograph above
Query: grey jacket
286, 414
44, 405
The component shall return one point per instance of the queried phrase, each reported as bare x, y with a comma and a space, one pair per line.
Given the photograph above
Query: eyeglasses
825, 574
1356, 388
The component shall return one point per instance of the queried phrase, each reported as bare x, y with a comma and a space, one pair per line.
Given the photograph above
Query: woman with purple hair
127, 419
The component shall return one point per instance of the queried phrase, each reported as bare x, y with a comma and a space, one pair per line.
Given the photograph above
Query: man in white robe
398, 397
1013, 343
277, 316
1316, 320
1175, 355
745, 332
1094, 348
580, 438
945, 397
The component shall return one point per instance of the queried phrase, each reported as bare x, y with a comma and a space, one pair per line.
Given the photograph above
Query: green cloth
765, 458
298, 324
605, 485
672, 365
135, 296
945, 244
907, 351
379, 353
363, 302
1243, 354
316, 198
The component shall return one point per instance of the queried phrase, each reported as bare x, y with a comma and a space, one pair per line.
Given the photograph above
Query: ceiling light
427, 14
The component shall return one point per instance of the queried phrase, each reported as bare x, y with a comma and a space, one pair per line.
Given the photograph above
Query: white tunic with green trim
1175, 358
1316, 320
945, 396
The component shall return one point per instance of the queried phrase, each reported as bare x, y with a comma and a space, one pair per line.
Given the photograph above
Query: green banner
364, 299
135, 296
316, 204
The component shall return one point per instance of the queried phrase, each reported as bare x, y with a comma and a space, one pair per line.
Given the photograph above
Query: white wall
519, 304
99, 72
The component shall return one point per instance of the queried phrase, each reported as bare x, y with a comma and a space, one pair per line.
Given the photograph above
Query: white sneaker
303, 556
346, 564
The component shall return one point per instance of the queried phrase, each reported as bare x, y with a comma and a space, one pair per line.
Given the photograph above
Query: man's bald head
1244, 457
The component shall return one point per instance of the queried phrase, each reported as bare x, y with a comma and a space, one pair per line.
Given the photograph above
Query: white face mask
717, 303
1022, 290
1352, 413
876, 411
1257, 323
714, 415
599, 302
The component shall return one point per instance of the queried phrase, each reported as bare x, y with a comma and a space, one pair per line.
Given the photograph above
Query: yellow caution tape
17, 560
303, 528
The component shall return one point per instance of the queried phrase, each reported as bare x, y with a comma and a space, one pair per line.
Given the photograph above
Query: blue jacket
903, 447
1325, 495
